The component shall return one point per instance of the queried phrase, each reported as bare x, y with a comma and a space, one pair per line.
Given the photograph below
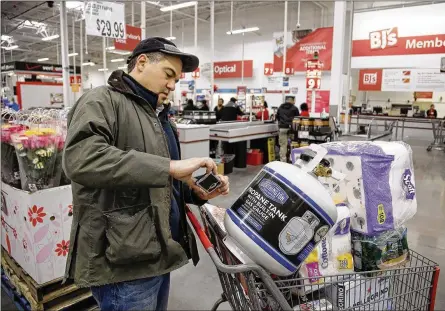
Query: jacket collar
117, 81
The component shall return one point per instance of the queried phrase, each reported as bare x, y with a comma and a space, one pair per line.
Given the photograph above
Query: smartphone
209, 182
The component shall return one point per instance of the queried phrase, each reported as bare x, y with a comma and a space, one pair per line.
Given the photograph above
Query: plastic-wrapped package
316, 305
333, 255
379, 186
383, 251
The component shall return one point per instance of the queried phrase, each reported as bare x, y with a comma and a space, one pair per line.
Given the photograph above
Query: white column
81, 57
74, 57
335, 98
64, 50
348, 74
285, 43
212, 47
143, 20
104, 58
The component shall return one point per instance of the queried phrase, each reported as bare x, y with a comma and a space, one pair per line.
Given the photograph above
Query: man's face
158, 77
220, 102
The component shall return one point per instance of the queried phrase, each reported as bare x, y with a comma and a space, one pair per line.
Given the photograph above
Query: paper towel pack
379, 186
333, 255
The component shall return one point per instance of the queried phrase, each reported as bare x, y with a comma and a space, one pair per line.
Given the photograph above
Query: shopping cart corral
438, 135
247, 286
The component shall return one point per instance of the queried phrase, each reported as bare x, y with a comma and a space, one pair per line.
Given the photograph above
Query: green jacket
117, 157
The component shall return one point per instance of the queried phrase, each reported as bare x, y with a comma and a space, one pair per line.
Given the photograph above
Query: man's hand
221, 190
183, 169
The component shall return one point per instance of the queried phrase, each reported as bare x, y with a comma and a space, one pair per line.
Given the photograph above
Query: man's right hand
183, 169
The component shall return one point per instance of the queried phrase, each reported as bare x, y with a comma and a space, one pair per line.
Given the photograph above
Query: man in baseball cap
130, 185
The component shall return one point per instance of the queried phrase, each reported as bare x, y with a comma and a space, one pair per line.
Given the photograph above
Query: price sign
303, 134
313, 74
313, 83
105, 19
268, 69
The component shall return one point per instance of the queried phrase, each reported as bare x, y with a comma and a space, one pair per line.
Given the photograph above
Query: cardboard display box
36, 229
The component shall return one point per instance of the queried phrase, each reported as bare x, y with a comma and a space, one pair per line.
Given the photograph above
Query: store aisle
198, 287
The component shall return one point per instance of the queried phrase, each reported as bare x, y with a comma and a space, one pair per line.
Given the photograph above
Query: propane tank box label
372, 292
276, 211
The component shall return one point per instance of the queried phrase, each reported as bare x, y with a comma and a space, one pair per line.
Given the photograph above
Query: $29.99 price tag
105, 19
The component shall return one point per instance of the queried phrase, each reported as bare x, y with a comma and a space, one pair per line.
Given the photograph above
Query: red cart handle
198, 229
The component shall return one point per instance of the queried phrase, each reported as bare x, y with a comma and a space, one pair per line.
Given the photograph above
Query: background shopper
285, 115
431, 113
304, 110
231, 111
129, 185
218, 109
263, 114
204, 106
190, 105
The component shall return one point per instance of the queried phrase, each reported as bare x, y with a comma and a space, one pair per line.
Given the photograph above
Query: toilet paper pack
332, 256
379, 186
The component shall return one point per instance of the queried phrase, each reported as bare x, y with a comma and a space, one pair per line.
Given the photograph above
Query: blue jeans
144, 294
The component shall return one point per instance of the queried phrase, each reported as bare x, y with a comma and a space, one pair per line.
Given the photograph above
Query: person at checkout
431, 113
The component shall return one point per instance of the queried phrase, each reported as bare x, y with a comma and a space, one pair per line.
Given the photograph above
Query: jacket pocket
131, 235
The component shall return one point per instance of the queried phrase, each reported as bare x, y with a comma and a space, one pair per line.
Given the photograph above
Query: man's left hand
221, 190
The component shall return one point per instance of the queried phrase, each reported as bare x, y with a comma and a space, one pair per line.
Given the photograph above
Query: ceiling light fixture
49, 38
238, 31
74, 5
88, 64
117, 60
43, 59
121, 52
171, 38
178, 6
102, 69
11, 47
6, 38
110, 48
122, 67
73, 54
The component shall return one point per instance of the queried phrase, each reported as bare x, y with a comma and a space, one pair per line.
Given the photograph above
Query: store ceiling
20, 20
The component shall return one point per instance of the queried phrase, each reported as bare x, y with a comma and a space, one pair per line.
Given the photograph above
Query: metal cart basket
247, 286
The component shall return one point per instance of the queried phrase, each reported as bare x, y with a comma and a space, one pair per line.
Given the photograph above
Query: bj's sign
134, 35
233, 69
412, 30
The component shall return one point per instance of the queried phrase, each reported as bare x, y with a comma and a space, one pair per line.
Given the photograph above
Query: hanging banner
321, 100
233, 69
268, 69
299, 52
105, 19
289, 68
133, 37
196, 74
423, 95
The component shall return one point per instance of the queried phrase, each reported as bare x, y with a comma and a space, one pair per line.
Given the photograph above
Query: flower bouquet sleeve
9, 164
37, 152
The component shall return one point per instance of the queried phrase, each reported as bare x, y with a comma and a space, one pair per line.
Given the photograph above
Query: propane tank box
360, 291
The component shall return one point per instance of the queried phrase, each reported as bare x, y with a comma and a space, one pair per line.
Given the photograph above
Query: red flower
62, 248
36, 215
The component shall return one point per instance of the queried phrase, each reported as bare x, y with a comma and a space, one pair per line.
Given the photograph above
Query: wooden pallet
49, 296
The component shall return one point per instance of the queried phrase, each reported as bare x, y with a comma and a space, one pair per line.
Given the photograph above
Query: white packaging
333, 256
360, 291
316, 305
379, 186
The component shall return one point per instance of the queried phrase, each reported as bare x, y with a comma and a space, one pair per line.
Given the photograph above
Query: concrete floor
197, 288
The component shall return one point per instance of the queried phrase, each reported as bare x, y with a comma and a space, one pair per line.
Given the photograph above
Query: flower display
37, 152
9, 164
62, 248
36, 215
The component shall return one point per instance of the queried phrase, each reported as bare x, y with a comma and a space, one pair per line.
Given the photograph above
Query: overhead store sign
401, 80
105, 19
321, 100
313, 74
36, 67
416, 34
133, 37
233, 69
268, 69
298, 52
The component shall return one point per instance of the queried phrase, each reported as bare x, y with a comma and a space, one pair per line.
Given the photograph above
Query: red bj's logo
382, 39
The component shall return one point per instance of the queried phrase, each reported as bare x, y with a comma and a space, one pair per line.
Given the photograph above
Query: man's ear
141, 61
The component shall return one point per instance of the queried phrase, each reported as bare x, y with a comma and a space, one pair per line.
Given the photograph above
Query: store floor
196, 288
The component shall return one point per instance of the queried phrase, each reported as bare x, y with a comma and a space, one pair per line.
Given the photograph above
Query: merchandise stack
375, 200
36, 195
306, 131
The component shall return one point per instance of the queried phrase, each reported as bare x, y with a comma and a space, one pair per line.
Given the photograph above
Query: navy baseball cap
157, 44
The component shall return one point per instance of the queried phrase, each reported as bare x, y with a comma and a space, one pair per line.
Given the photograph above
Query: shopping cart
438, 134
247, 286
